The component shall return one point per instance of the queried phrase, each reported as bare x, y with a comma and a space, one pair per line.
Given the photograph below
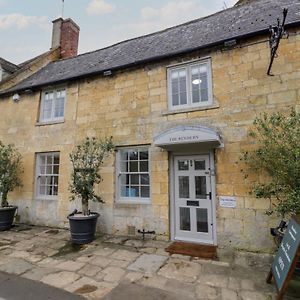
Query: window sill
132, 202
190, 109
50, 122
46, 198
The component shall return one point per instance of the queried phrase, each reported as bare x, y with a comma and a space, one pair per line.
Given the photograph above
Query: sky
26, 27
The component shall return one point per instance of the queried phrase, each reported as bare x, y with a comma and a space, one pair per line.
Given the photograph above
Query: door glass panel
184, 191
183, 165
200, 186
202, 220
185, 219
199, 164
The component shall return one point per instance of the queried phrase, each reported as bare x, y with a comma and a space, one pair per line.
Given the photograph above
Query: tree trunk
4, 202
85, 207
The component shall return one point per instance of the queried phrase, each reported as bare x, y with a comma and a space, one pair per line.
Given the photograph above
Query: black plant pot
83, 228
7, 215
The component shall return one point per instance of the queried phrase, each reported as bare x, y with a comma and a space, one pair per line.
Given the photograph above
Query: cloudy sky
25, 25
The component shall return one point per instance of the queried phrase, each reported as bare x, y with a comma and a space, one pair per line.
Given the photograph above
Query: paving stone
119, 263
234, 283
147, 263
60, 279
70, 265
133, 276
205, 292
116, 239
247, 295
220, 263
104, 251
180, 269
80, 283
20, 254
100, 261
125, 255
113, 274
48, 262
229, 294
38, 273
154, 281
84, 258
16, 266
180, 256
89, 270
247, 284
162, 251
187, 290
148, 250
103, 289
134, 243
214, 280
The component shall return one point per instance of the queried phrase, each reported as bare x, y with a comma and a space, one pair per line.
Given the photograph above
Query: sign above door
186, 135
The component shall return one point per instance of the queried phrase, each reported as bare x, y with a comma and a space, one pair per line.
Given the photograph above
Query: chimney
65, 34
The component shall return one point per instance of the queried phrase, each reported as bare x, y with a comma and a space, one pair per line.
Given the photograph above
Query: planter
83, 228
7, 215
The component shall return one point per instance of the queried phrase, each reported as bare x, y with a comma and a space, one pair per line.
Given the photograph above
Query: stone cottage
179, 104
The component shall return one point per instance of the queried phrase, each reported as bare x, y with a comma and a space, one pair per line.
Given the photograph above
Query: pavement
42, 263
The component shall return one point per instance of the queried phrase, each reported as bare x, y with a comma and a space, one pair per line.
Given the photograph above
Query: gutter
143, 61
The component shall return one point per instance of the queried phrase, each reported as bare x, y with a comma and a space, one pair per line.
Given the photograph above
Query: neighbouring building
179, 104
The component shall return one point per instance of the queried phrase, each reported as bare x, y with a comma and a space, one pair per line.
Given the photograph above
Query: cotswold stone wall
132, 107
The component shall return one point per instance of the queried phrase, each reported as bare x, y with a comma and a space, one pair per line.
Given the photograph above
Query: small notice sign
287, 257
227, 201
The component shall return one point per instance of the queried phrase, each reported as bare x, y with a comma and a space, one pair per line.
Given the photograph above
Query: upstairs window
53, 105
190, 85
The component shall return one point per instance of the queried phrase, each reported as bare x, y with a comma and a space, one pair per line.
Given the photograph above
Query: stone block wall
132, 106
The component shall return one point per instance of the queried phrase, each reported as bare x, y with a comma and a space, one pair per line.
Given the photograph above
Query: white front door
193, 199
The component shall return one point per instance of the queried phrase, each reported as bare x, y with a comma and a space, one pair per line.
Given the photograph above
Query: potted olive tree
10, 178
86, 160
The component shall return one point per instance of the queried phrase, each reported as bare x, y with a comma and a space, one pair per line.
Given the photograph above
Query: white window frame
188, 67
38, 176
52, 118
131, 200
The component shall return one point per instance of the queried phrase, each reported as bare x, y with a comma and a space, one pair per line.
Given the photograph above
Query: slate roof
8, 66
234, 23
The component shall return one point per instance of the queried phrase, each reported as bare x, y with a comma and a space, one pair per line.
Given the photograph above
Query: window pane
134, 179
143, 155
56, 169
202, 220
42, 190
200, 186
124, 190
124, 179
134, 191
133, 155
183, 165
59, 108
183, 98
145, 192
204, 95
185, 219
144, 179
124, 155
143, 166
56, 160
124, 166
184, 190
133, 166
199, 164
175, 99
